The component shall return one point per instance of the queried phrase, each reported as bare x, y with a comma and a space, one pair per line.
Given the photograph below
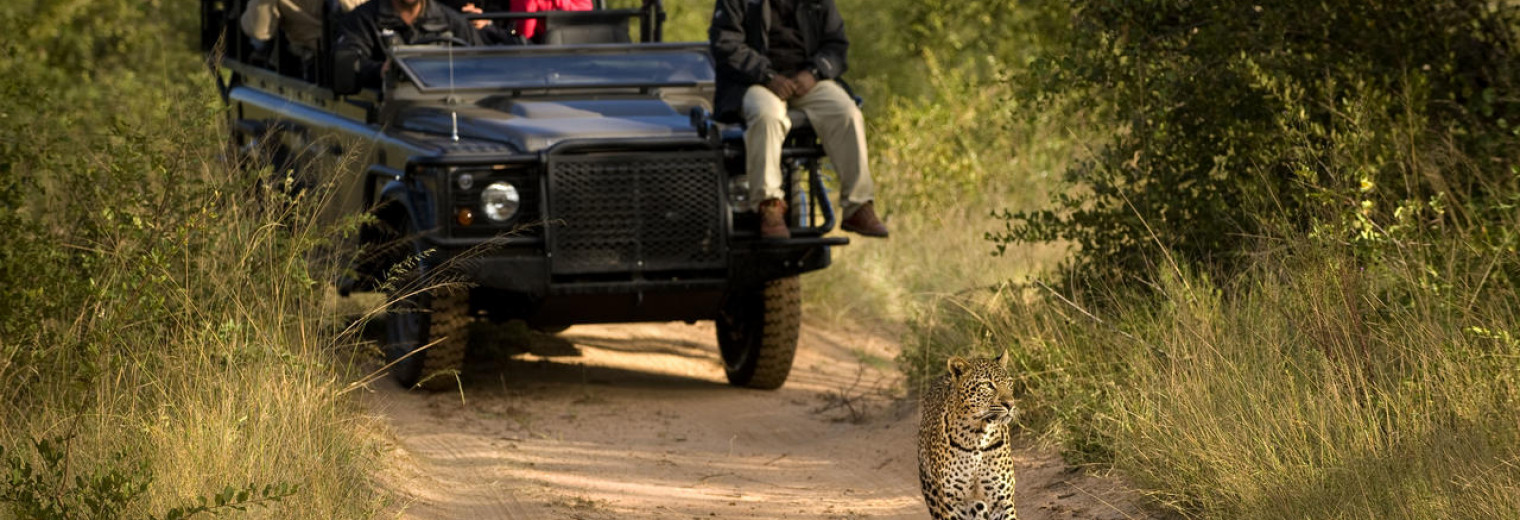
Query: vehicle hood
532, 126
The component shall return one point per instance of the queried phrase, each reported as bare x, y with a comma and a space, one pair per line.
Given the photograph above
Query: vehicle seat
585, 27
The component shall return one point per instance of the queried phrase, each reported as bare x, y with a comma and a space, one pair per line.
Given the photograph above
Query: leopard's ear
1002, 359
957, 366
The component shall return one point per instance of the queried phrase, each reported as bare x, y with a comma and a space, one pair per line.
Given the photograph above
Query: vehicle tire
419, 315
440, 315
757, 334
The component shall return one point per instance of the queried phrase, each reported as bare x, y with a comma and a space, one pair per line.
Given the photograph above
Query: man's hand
805, 81
471, 9
782, 86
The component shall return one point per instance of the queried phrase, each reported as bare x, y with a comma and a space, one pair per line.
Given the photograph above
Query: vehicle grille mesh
613, 213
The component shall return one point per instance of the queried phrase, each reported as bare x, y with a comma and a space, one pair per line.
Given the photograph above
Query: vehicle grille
613, 213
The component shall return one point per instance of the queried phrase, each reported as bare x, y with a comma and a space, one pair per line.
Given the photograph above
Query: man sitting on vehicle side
299, 20
378, 24
772, 54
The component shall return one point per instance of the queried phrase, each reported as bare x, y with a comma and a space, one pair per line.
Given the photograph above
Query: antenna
453, 115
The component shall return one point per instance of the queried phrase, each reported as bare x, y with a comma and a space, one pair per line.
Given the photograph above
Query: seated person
373, 27
299, 20
529, 28
775, 55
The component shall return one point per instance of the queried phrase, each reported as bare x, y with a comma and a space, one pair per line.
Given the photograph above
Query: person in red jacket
529, 28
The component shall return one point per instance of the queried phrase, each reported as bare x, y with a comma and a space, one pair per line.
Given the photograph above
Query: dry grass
212, 365
1315, 390
166, 319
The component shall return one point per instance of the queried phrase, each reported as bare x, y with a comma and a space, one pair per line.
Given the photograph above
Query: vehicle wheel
419, 317
440, 315
757, 334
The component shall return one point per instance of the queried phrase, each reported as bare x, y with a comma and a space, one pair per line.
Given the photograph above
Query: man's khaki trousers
839, 125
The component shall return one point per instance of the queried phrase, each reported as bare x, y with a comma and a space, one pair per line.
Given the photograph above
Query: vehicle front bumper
519, 284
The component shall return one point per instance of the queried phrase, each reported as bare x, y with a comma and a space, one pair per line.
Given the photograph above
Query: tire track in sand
636, 421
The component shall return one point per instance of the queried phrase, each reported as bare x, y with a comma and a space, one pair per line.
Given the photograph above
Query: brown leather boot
863, 221
773, 219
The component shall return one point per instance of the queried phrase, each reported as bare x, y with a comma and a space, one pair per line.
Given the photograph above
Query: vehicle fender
394, 192
394, 210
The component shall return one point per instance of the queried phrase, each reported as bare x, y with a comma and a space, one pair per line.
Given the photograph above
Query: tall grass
1322, 387
1315, 396
165, 325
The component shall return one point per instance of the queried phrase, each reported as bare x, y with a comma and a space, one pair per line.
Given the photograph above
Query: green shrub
45, 492
1233, 123
1294, 290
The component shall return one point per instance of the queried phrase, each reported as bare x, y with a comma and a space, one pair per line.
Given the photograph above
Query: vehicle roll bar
651, 17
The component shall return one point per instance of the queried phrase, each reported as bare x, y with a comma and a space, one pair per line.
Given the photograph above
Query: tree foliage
1232, 122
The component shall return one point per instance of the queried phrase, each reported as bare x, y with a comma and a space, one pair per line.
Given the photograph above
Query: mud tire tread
772, 348
450, 326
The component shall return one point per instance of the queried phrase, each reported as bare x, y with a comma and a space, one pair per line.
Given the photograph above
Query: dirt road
635, 421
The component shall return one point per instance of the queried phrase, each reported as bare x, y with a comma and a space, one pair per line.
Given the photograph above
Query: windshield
524, 70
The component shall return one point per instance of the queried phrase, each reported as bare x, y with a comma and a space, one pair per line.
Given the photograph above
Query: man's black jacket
370, 28
739, 42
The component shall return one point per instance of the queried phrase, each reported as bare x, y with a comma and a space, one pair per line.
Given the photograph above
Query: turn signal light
465, 216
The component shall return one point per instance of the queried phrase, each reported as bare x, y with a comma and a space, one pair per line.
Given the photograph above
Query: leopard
965, 460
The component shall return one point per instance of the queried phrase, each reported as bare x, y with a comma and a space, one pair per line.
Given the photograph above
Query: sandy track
635, 421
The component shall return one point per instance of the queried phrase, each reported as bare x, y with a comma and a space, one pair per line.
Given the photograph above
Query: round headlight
500, 201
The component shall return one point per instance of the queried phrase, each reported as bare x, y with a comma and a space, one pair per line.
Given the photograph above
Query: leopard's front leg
972, 510
998, 489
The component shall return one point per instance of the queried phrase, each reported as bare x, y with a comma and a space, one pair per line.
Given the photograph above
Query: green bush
1230, 124
45, 492
1293, 293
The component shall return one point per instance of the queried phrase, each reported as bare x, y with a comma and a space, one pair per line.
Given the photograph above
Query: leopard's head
981, 392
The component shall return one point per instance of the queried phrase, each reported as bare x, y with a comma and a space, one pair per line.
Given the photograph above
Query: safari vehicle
577, 181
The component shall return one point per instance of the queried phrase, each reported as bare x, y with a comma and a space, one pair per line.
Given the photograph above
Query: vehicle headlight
500, 201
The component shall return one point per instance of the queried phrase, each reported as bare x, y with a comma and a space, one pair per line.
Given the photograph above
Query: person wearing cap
777, 54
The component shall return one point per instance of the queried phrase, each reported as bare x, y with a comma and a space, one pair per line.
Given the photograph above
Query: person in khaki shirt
299, 20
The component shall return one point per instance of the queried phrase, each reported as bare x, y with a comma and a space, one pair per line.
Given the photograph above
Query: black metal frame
220, 26
466, 52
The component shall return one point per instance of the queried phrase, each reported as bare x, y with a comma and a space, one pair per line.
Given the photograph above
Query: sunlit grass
165, 315
1314, 389
200, 348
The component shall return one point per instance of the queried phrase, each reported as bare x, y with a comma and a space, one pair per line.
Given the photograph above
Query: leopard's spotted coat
965, 463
